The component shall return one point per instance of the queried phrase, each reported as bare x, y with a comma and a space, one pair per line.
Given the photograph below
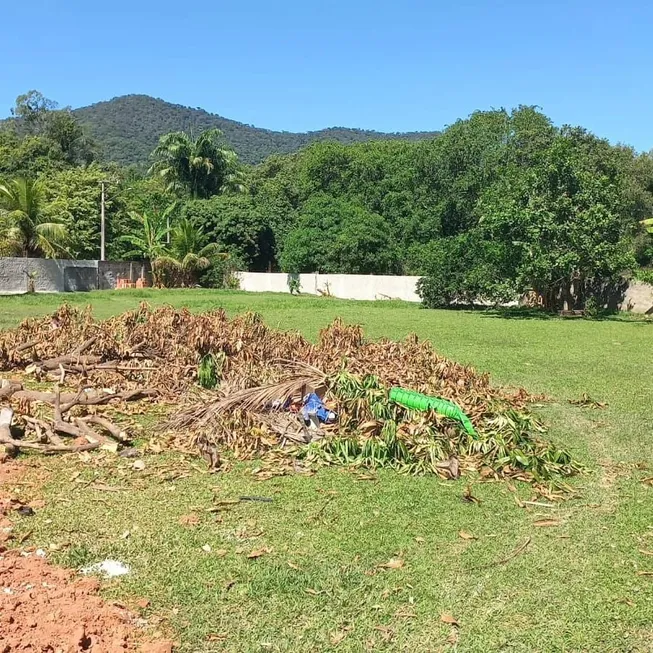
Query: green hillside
128, 128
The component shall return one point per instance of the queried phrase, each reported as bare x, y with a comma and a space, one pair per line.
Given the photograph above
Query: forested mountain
128, 128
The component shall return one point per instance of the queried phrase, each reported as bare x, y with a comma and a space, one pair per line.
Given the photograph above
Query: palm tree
202, 166
24, 229
188, 255
150, 243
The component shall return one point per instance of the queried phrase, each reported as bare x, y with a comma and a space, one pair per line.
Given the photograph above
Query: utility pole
102, 226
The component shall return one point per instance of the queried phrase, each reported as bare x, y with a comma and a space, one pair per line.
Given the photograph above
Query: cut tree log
6, 417
93, 436
86, 399
47, 429
70, 359
8, 387
84, 346
44, 435
108, 426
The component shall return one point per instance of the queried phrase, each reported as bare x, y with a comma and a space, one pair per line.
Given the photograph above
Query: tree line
499, 204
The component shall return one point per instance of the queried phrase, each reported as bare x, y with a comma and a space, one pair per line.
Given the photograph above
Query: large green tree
38, 118
234, 222
73, 196
564, 221
336, 236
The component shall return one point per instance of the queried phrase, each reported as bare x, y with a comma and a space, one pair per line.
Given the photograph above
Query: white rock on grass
107, 568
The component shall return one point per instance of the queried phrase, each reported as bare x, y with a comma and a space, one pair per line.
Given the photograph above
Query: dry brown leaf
257, 553
221, 553
467, 536
645, 573
405, 614
206, 548
448, 618
366, 477
393, 563
644, 552
292, 565
312, 592
191, 519
544, 523
138, 465
337, 637
420, 540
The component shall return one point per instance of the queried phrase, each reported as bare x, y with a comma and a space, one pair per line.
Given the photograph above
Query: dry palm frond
263, 397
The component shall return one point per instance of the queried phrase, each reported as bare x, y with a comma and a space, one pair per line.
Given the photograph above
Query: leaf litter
260, 377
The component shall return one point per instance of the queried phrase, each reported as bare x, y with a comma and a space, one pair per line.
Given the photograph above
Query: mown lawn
575, 587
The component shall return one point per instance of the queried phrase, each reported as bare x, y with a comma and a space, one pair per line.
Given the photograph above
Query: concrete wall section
48, 275
344, 286
13, 275
79, 279
69, 276
638, 298
64, 275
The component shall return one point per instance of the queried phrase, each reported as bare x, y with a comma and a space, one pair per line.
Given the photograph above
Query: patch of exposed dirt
9, 473
47, 609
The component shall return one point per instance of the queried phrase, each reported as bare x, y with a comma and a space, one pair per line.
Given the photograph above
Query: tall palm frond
188, 255
200, 167
194, 263
150, 242
26, 230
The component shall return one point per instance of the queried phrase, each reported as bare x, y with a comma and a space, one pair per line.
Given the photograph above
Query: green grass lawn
575, 587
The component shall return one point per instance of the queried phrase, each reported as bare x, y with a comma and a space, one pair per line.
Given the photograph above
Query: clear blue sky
299, 65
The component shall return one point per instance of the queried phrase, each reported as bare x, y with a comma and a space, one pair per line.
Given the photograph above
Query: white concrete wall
344, 286
638, 298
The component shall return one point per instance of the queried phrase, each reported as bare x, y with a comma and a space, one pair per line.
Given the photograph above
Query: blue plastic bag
312, 406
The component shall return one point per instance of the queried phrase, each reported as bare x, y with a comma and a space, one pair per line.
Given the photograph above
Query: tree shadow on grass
519, 313
527, 313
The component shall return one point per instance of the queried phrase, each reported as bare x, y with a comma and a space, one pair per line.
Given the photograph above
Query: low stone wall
64, 275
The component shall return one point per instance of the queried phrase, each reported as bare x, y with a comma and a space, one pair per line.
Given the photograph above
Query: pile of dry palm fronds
257, 377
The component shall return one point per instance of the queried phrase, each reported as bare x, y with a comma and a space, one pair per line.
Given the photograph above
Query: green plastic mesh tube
418, 401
